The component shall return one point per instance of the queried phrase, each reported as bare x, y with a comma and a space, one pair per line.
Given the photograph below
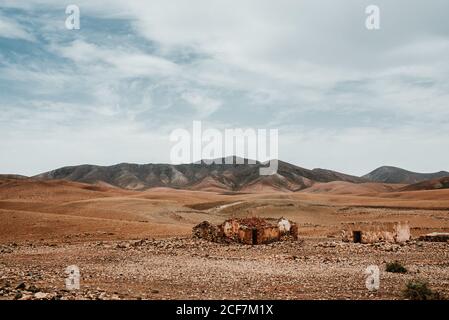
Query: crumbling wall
245, 235
293, 232
288, 229
267, 234
284, 225
373, 236
231, 228
371, 232
402, 232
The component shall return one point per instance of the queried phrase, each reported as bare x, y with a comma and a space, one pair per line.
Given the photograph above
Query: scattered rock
21, 286
33, 289
41, 295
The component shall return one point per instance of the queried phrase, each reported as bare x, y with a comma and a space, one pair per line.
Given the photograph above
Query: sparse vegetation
395, 267
418, 290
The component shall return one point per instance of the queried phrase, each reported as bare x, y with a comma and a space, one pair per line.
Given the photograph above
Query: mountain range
225, 177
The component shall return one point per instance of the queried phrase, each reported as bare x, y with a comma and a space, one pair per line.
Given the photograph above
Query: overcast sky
342, 97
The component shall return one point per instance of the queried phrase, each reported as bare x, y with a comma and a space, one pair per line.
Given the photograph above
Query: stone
41, 295
21, 286
33, 289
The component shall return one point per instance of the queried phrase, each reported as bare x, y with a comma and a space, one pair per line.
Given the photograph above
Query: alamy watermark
372, 281
72, 22
212, 145
72, 281
372, 22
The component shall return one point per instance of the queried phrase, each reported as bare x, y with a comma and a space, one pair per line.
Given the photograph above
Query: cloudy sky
342, 97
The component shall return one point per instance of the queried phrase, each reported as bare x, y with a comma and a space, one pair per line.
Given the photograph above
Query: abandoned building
248, 230
371, 232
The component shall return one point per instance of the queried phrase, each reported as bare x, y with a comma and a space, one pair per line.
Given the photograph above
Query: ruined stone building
248, 230
370, 232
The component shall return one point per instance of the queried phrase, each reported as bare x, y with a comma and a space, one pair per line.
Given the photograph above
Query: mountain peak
391, 174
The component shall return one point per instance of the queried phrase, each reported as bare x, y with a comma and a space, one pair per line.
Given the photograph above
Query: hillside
434, 184
387, 174
198, 176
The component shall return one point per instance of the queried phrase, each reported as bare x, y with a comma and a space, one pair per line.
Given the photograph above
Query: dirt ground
182, 268
138, 245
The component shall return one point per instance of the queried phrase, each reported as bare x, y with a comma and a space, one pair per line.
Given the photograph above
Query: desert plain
138, 244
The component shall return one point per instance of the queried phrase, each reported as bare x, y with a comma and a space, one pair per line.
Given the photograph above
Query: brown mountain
199, 176
388, 174
434, 184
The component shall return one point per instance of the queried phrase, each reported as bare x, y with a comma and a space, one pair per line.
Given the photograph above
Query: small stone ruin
247, 230
371, 232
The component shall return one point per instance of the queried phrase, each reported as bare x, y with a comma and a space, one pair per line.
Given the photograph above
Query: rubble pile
207, 231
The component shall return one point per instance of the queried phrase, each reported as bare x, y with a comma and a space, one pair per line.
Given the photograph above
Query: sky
341, 96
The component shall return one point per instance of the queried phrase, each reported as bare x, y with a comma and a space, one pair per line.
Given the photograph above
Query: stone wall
371, 232
245, 235
267, 234
231, 228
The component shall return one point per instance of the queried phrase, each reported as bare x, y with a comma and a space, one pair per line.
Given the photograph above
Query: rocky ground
185, 268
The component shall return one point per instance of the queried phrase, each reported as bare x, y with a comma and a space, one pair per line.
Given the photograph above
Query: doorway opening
254, 236
357, 236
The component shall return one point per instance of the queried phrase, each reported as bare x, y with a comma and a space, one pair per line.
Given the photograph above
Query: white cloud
128, 62
105, 145
347, 98
11, 29
360, 150
204, 105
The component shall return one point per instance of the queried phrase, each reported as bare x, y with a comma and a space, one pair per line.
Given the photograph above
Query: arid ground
138, 244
